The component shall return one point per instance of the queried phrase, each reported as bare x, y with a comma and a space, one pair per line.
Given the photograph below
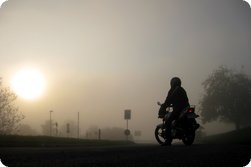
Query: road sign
137, 133
127, 114
127, 132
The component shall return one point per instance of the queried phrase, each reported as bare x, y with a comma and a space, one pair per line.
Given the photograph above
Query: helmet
175, 81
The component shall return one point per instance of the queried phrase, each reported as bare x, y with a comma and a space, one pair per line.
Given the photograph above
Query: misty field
46, 141
64, 152
242, 136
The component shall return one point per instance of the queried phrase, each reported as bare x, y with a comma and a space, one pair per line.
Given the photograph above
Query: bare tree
227, 97
10, 116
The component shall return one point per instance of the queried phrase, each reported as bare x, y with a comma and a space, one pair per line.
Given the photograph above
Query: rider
177, 99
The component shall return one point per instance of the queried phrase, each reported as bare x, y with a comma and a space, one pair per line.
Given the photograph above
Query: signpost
127, 116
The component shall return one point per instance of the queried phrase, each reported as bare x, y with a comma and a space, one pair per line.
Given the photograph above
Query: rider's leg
168, 123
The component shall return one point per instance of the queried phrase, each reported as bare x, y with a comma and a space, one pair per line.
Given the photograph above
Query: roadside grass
242, 136
46, 141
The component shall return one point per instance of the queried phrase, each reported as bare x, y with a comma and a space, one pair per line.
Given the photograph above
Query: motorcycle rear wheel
189, 138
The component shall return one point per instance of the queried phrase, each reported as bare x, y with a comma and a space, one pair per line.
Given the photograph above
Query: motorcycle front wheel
159, 135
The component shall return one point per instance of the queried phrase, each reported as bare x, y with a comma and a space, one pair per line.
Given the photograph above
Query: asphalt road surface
145, 155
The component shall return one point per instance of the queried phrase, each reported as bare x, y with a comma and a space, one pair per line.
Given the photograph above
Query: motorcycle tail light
190, 110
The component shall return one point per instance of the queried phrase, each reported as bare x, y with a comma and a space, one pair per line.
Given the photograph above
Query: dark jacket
177, 98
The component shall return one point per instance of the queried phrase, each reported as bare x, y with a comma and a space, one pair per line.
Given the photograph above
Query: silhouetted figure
178, 100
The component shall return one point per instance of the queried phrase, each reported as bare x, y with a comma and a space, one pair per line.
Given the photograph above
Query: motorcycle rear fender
192, 115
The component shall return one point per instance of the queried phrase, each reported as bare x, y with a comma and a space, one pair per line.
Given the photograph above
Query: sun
28, 83
1, 2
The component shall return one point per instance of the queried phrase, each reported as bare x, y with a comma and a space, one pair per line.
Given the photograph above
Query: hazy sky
100, 57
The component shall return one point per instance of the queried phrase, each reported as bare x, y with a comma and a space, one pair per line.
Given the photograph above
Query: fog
100, 57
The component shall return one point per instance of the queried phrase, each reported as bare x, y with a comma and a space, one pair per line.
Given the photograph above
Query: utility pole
78, 125
50, 123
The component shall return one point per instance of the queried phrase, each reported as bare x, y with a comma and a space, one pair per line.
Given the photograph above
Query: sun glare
28, 84
1, 2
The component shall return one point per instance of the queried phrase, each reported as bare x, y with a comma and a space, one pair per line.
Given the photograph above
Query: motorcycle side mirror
159, 103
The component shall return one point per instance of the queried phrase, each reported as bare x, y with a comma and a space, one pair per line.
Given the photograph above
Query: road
145, 155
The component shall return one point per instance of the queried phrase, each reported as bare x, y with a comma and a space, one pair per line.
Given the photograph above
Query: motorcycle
183, 128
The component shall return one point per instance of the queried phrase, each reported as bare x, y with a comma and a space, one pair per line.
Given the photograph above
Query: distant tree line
26, 130
66, 129
93, 132
113, 133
